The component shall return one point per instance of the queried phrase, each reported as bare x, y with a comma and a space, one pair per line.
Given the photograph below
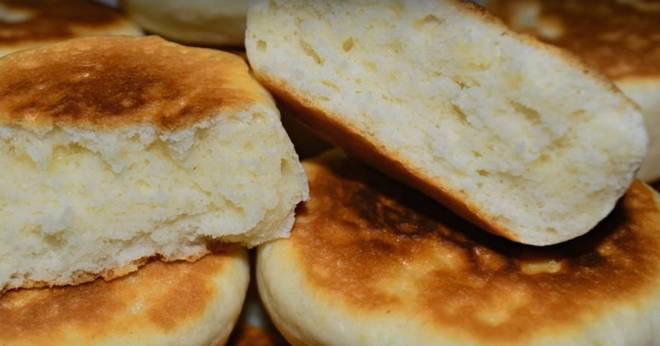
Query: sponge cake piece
117, 149
620, 38
370, 262
512, 134
174, 303
29, 23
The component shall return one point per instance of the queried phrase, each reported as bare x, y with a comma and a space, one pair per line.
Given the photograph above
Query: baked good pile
400, 172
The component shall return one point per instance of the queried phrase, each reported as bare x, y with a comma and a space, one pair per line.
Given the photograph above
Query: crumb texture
94, 188
535, 145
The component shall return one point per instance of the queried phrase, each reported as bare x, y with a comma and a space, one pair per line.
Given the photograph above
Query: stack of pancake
123, 153
484, 192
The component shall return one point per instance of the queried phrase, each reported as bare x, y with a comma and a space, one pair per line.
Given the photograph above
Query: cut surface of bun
29, 23
372, 262
620, 38
118, 149
512, 134
175, 303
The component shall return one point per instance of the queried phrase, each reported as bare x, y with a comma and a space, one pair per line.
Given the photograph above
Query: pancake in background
619, 37
29, 23
201, 22
176, 303
370, 262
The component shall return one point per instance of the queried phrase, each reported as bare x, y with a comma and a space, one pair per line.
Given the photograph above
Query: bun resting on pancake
370, 262
209, 22
620, 38
512, 134
28, 23
176, 303
117, 149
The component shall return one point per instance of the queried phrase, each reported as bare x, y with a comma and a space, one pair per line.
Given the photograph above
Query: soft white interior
529, 139
77, 201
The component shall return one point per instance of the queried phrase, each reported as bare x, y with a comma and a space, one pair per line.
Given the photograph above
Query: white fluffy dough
144, 154
513, 134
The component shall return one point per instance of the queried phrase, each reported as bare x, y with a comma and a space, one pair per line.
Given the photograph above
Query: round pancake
370, 262
176, 303
28, 23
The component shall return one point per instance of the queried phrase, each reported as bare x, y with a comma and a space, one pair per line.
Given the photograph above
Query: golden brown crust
111, 82
160, 296
107, 275
371, 245
353, 142
620, 38
52, 20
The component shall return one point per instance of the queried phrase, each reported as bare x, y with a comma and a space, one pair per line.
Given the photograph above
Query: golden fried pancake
370, 262
28, 23
619, 37
116, 149
176, 303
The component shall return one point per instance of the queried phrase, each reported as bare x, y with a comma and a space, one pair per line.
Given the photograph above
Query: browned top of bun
621, 38
111, 82
158, 298
374, 246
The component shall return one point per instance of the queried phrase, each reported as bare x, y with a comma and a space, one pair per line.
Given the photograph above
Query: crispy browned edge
354, 143
107, 274
358, 145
